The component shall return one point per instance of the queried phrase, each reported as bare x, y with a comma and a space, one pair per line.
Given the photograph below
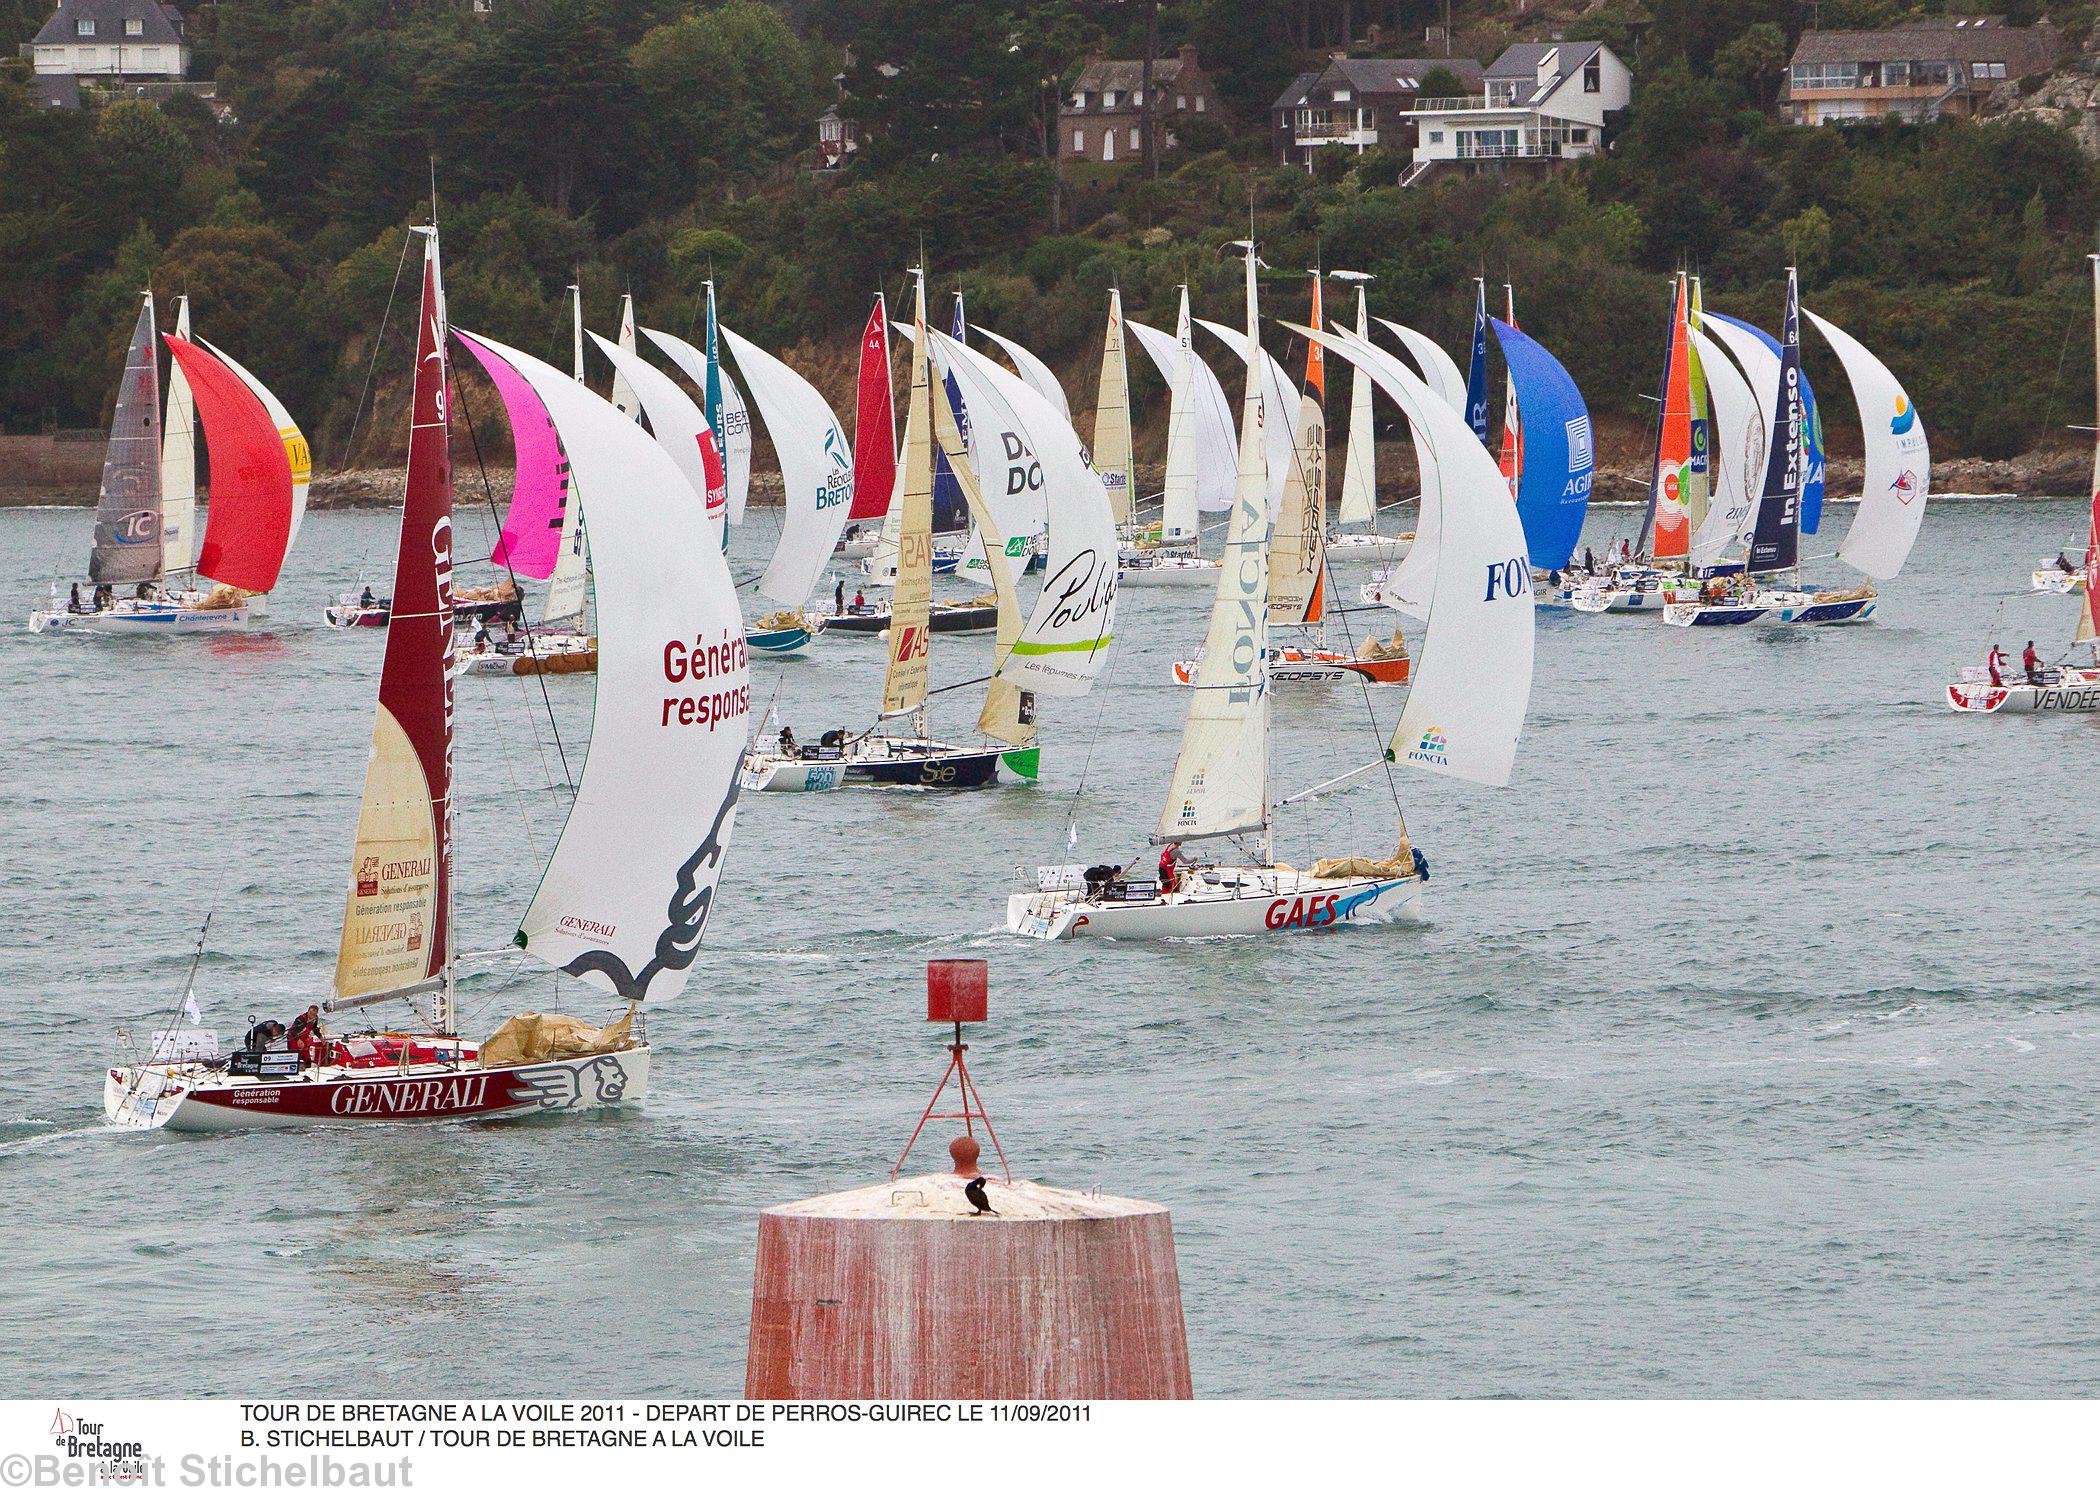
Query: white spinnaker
1011, 477
178, 463
1210, 412
1066, 642
1221, 776
1034, 371
625, 898
625, 397
1898, 475
1360, 455
1280, 403
1178, 522
1735, 454
1759, 366
674, 419
1472, 681
1438, 370
736, 421
296, 450
816, 471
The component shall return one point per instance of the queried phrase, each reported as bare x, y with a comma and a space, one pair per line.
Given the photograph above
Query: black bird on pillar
974, 1193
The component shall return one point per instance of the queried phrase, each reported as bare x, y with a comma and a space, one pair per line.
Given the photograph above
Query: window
1108, 98
1079, 102
1990, 69
84, 28
1501, 93
1578, 135
1137, 98
134, 27
1593, 75
1133, 137
1079, 142
1199, 103
1181, 100
1108, 144
1436, 137
1341, 95
1895, 74
1826, 75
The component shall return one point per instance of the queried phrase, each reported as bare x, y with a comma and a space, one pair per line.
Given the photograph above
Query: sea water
1748, 1044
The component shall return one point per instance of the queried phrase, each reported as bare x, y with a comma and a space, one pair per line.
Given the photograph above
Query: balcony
1464, 105
1335, 134
1524, 150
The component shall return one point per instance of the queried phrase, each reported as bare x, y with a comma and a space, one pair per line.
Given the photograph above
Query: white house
1544, 101
113, 39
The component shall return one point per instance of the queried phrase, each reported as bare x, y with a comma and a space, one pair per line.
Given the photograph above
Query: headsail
296, 452
1298, 545
249, 526
1280, 409
397, 912
127, 515
1112, 453
1472, 683
874, 422
624, 397
1221, 776
625, 898
1008, 714
1033, 371
1557, 461
2089, 620
1512, 416
539, 500
1178, 507
1217, 446
569, 587
1437, 368
1898, 474
178, 463
1736, 437
679, 427
816, 471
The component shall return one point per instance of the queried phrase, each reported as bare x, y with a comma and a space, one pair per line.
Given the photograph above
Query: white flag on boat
190, 1010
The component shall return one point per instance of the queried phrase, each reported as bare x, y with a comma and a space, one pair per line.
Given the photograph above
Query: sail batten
128, 512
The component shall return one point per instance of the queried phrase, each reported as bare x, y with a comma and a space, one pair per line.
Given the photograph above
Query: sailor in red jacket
1995, 665
2032, 661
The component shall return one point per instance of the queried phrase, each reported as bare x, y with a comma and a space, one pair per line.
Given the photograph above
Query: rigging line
539, 746
2056, 382
546, 699
372, 366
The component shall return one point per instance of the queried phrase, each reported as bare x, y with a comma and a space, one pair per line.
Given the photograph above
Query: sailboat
874, 434
1548, 455
1201, 462
1461, 720
623, 903
2064, 688
875, 757
1405, 585
145, 515
1356, 535
1896, 481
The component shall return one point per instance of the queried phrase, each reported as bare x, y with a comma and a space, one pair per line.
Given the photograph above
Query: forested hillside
647, 144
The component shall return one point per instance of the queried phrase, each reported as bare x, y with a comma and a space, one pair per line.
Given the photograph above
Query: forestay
625, 899
816, 471
1472, 682
1898, 474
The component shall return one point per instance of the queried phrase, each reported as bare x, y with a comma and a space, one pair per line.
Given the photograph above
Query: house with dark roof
1915, 72
1104, 118
113, 39
1542, 103
1357, 103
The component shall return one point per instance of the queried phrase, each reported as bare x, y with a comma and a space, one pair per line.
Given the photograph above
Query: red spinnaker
874, 423
415, 681
249, 525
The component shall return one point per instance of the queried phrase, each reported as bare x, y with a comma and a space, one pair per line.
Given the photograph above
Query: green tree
1754, 61
726, 90
1807, 238
937, 78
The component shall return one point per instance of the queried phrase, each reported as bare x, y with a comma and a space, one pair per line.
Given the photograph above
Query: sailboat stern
1020, 767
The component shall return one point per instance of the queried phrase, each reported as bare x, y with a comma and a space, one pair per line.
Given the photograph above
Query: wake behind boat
622, 904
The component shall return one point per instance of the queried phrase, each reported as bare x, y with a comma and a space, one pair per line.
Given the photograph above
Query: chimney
1187, 54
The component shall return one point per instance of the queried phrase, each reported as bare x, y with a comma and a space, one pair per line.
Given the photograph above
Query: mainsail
127, 516
1557, 462
1476, 373
625, 898
1221, 776
1775, 541
1512, 415
1008, 714
1179, 497
1736, 437
249, 526
1112, 452
178, 463
874, 422
1360, 455
911, 602
1898, 474
1280, 409
2089, 616
623, 393
816, 471
397, 912
568, 589
1669, 508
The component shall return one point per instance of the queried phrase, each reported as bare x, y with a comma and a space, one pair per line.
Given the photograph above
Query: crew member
788, 749
2064, 563
307, 1036
860, 600
364, 600
2032, 661
74, 604
1995, 665
838, 598
1170, 862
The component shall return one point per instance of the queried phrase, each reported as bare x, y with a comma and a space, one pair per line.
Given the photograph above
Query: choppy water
1748, 1047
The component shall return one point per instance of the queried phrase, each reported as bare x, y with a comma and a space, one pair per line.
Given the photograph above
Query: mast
397, 914
2089, 617
178, 463
128, 514
904, 681
1221, 777
1112, 451
1298, 548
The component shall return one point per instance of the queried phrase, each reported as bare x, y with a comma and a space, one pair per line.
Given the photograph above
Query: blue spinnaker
1477, 374
1812, 478
1553, 490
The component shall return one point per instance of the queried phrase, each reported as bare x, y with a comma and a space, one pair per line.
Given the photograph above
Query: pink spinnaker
531, 538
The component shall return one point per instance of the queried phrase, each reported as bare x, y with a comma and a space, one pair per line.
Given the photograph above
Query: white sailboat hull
2057, 582
194, 1098
1773, 607
1168, 573
2070, 690
1367, 547
150, 617
547, 652
1219, 902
